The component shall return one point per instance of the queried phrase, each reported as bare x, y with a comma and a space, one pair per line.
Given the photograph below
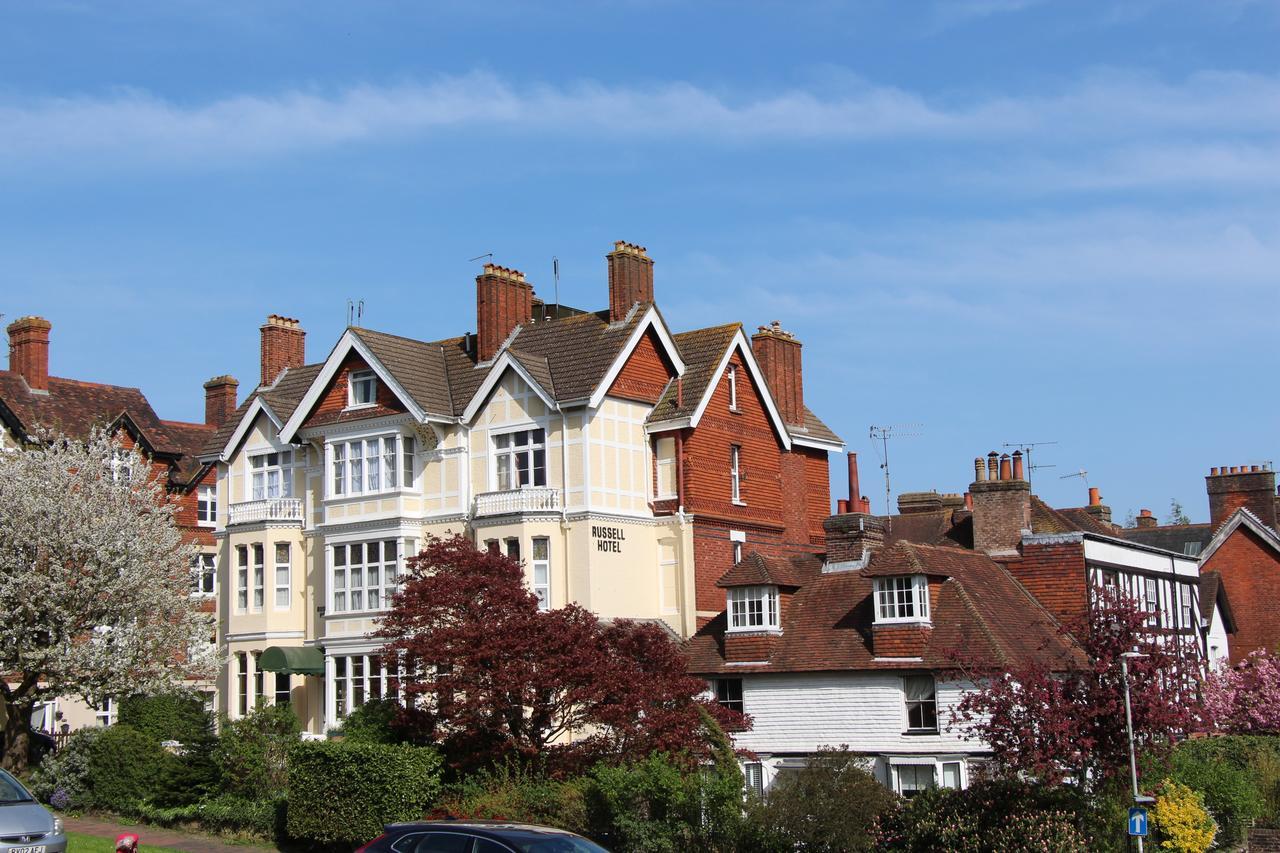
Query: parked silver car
25, 825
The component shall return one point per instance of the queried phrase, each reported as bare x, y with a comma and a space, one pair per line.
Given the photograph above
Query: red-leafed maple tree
1066, 721
489, 677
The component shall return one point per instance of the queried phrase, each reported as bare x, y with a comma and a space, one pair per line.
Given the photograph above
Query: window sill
738, 503
207, 524
921, 732
733, 410
355, 614
923, 623
754, 630
355, 407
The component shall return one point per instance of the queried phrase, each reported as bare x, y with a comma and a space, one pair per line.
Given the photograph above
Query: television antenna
488, 255
1027, 447
882, 434
1082, 474
555, 272
355, 312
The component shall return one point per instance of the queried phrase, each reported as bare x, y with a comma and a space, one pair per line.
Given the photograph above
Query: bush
1014, 812
221, 814
643, 806
62, 779
124, 768
171, 716
829, 805
373, 722
252, 752
1224, 770
345, 792
1181, 821
511, 793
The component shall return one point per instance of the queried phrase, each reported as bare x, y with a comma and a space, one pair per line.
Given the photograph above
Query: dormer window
754, 608
363, 389
902, 598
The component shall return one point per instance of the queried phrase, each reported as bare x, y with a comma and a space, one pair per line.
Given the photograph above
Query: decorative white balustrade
527, 499
271, 509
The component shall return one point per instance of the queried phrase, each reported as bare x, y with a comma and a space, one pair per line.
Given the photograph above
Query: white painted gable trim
1241, 517
258, 407
741, 344
650, 320
348, 342
496, 372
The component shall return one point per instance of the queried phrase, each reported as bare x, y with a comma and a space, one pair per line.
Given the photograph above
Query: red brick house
31, 398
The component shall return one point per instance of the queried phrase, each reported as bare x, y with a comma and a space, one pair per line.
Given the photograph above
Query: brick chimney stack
29, 351
852, 538
778, 352
1251, 487
284, 345
1001, 505
1096, 507
1146, 519
630, 278
219, 399
504, 300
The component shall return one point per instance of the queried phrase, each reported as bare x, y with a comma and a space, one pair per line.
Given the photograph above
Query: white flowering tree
94, 582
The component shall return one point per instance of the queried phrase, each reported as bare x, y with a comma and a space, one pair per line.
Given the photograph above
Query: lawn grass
77, 843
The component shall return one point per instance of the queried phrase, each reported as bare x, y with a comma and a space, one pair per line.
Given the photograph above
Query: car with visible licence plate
25, 825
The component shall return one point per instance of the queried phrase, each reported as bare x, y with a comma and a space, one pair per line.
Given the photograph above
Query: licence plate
39, 848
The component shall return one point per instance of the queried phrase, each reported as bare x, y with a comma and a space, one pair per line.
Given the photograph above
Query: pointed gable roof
758, 569
278, 401
1240, 518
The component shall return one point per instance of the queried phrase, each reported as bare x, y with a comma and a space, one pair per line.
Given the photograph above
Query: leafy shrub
345, 792
1224, 770
972, 819
643, 806
1266, 773
221, 814
511, 793
124, 768
62, 779
373, 722
171, 716
829, 805
252, 752
1181, 821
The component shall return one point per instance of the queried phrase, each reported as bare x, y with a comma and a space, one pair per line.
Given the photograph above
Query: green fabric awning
293, 660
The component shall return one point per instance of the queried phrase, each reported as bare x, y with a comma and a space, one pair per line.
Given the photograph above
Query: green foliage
125, 767
373, 722
221, 814
345, 792
646, 805
829, 805
252, 751
63, 777
177, 716
1225, 771
1266, 770
995, 815
1181, 821
513, 793
1177, 515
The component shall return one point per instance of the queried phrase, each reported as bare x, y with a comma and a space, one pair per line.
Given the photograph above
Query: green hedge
125, 767
172, 716
1239, 776
346, 792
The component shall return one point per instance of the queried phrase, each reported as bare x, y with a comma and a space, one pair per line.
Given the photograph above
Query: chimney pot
1146, 519
29, 351
1006, 471
1255, 468
1213, 472
630, 278
219, 399
993, 466
284, 345
1017, 465
979, 470
968, 501
842, 506
1095, 498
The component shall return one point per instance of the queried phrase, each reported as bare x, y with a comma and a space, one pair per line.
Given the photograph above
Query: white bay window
520, 459
902, 598
753, 608
363, 466
271, 475
363, 575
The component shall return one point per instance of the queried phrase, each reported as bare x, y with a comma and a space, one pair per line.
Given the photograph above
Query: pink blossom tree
1246, 698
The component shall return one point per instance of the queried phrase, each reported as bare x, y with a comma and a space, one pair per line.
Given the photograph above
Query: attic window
363, 389
733, 388
754, 608
902, 598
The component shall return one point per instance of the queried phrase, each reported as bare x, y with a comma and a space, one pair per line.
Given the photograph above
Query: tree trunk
17, 734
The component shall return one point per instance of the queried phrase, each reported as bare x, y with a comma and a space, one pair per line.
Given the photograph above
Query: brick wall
1001, 510
899, 641
331, 407
749, 647
645, 374
1251, 575
1251, 490
1055, 574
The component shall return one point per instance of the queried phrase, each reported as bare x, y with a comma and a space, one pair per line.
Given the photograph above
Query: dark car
480, 836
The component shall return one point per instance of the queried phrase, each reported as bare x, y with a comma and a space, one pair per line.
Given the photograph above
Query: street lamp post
1128, 719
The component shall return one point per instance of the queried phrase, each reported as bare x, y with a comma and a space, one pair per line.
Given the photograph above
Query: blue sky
999, 220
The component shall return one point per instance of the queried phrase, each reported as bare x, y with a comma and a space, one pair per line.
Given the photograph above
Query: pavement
154, 836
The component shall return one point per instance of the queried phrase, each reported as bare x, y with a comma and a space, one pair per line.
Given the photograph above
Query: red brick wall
817, 472
504, 300
645, 374
1251, 575
1251, 490
1055, 574
332, 404
899, 641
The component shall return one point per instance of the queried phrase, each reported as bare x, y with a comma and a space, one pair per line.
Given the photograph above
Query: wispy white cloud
136, 127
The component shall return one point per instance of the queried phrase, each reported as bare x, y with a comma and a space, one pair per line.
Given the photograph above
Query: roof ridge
440, 342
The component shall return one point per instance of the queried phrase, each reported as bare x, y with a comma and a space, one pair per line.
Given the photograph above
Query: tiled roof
190, 440
578, 350
1046, 519
758, 569
701, 351
419, 367
982, 616
283, 397
1171, 537
1211, 592
73, 408
814, 428
942, 527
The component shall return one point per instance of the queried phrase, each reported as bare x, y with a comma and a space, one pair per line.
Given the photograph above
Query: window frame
1151, 600
242, 579
888, 592
207, 506
731, 374
739, 602
735, 475
916, 767
389, 574
926, 705
1186, 605
287, 566
366, 378
729, 694
282, 469
541, 584
510, 451
665, 471
259, 566
204, 566
349, 461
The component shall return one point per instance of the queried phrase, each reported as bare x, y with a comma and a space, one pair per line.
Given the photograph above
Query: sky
990, 222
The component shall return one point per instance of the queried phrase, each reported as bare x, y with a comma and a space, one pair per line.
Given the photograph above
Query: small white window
207, 506
271, 475
738, 538
735, 473
902, 598
368, 465
204, 573
914, 778
242, 578
753, 608
951, 774
1151, 600
665, 454
363, 389
1184, 593
733, 388
259, 570
105, 713
541, 565
753, 778
922, 703
520, 459
283, 572
408, 461
364, 575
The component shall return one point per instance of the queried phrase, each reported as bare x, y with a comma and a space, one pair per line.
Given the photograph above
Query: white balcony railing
271, 509
527, 499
